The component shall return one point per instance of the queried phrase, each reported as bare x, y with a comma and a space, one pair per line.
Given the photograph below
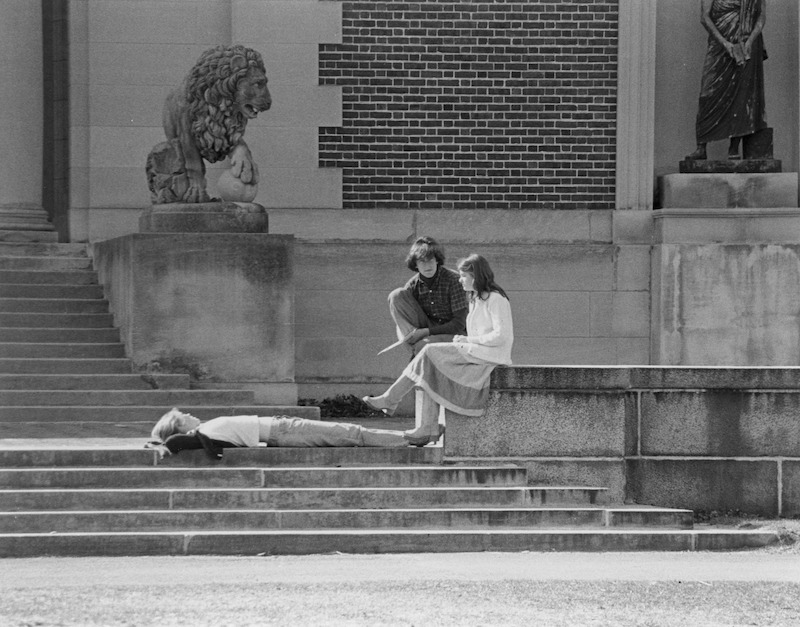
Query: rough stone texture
642, 377
790, 498
724, 305
720, 423
773, 225
750, 486
748, 166
543, 424
211, 217
728, 190
606, 473
217, 305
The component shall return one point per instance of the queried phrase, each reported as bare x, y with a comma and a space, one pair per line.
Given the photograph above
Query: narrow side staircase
63, 368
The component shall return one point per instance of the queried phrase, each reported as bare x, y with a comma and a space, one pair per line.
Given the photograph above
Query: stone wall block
749, 486
721, 422
543, 424
217, 305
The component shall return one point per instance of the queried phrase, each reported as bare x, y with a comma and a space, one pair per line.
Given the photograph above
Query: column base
24, 218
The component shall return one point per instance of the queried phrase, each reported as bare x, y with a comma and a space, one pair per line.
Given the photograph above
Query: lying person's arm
182, 442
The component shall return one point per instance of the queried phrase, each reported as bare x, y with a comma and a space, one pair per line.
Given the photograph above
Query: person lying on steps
176, 431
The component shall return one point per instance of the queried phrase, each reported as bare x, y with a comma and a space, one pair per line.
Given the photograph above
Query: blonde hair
167, 425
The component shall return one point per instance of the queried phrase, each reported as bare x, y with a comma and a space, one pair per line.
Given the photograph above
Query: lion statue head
225, 88
205, 119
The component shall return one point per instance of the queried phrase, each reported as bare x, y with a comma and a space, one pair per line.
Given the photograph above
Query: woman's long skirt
452, 378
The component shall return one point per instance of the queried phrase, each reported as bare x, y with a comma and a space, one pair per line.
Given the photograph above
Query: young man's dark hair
424, 248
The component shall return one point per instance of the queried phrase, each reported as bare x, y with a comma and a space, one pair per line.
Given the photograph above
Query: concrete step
40, 249
22, 335
259, 520
94, 382
53, 306
81, 452
371, 541
116, 398
61, 350
293, 498
21, 290
51, 264
146, 414
64, 365
19, 236
44, 277
231, 477
53, 320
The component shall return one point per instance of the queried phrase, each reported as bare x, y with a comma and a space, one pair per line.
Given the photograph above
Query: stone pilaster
21, 124
635, 103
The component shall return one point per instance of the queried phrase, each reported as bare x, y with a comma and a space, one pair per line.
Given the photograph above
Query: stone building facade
533, 132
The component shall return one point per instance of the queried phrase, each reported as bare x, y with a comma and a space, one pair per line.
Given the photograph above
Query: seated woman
177, 431
456, 375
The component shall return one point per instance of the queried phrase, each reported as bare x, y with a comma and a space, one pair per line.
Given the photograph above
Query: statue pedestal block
209, 217
219, 306
728, 190
724, 287
747, 166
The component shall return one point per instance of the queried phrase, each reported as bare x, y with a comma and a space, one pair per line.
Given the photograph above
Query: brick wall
474, 105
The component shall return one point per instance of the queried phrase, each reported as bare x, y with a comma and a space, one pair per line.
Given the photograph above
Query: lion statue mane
205, 119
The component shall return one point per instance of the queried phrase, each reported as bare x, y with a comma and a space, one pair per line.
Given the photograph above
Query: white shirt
490, 329
238, 430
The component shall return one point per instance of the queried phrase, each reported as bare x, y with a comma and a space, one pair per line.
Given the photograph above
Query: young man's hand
416, 335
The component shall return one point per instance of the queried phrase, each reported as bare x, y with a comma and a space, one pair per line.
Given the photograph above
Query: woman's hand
459, 338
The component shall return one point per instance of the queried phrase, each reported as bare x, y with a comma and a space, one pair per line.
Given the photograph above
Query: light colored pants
302, 433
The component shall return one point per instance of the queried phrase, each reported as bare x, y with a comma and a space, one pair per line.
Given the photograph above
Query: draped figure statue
732, 87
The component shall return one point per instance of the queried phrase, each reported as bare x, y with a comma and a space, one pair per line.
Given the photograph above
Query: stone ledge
742, 166
699, 225
211, 217
593, 378
724, 190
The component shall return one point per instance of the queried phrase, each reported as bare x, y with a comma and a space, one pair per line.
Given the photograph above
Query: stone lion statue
205, 118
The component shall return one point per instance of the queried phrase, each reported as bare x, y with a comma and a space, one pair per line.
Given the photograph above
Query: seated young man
431, 306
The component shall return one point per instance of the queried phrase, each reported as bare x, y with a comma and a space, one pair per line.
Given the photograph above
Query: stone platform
725, 190
693, 437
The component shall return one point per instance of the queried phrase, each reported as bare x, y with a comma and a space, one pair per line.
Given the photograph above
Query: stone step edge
275, 489
565, 507
371, 541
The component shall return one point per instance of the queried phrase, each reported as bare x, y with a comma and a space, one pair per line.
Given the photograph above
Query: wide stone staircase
127, 501
75, 478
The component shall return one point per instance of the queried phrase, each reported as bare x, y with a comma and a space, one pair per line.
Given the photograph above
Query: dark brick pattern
474, 105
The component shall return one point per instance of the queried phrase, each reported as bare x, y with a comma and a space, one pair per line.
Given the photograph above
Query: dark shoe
373, 403
697, 155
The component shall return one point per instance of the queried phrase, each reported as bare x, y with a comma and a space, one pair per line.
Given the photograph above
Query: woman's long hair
482, 275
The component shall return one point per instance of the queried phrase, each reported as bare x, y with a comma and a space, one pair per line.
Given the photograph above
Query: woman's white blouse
490, 329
